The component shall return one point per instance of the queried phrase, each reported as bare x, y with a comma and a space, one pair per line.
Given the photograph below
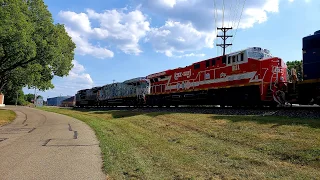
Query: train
250, 77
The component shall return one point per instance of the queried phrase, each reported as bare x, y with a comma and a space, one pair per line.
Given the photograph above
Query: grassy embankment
6, 116
139, 145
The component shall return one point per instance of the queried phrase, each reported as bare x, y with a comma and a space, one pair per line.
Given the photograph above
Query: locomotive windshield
143, 84
258, 53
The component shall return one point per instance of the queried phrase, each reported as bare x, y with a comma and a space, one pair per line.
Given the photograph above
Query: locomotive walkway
44, 145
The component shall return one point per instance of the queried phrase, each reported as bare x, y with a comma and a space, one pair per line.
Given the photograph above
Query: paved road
43, 145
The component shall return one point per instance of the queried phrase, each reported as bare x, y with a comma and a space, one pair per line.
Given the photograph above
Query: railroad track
294, 111
294, 107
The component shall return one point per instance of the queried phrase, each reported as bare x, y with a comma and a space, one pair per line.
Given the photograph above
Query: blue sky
120, 40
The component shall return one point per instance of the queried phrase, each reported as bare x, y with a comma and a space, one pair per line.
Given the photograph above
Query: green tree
12, 98
298, 66
32, 49
29, 97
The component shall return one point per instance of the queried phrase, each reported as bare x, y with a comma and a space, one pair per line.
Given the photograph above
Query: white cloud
190, 55
76, 80
77, 67
190, 24
167, 3
307, 1
178, 37
116, 28
84, 47
125, 30
77, 77
79, 22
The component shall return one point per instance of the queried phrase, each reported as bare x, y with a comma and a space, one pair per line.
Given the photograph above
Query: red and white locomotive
248, 77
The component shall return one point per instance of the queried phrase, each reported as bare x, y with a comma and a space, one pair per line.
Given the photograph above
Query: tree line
20, 98
298, 66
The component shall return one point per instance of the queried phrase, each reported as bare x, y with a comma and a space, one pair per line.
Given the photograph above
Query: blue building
56, 101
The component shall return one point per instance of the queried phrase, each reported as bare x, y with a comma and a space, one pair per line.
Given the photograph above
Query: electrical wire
230, 14
223, 14
215, 22
230, 21
234, 16
238, 23
236, 13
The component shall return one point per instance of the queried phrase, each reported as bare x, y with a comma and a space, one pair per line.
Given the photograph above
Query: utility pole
34, 101
224, 38
17, 98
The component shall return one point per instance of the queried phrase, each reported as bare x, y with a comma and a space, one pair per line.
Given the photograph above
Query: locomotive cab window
162, 77
229, 60
155, 79
241, 57
207, 63
213, 62
224, 59
196, 66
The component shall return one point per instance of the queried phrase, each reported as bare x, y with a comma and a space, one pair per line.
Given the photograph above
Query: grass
138, 145
6, 116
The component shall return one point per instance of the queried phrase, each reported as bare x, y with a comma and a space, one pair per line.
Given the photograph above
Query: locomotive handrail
274, 71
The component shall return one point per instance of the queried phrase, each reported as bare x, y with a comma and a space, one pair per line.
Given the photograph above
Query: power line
223, 14
214, 14
230, 14
234, 17
236, 13
215, 20
238, 23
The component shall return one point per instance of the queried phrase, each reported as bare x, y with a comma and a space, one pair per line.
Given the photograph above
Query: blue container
56, 101
311, 71
311, 42
311, 56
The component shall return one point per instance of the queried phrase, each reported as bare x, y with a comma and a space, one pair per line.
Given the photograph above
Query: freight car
307, 91
131, 92
87, 97
250, 77
128, 93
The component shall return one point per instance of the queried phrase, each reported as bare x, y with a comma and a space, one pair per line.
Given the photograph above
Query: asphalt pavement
44, 145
